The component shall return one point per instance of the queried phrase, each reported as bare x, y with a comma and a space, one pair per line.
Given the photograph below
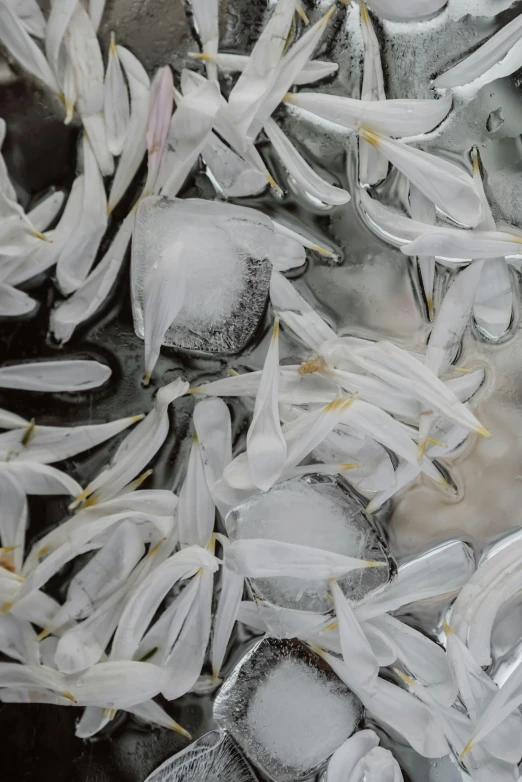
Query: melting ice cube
286, 709
212, 758
318, 511
227, 266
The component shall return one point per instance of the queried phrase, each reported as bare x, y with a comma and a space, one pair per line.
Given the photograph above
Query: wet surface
373, 292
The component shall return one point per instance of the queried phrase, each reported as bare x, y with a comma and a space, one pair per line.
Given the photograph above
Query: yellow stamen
146, 379
201, 56
469, 746
317, 364
483, 432
462, 370
369, 135
6, 607
195, 390
300, 10
211, 547
29, 433
69, 111
42, 236
7, 550
139, 480
405, 678
275, 331
374, 563
80, 498
430, 308
289, 97
271, 181
343, 402
332, 626
475, 160
178, 729
43, 635
232, 372
447, 629
69, 696
112, 45
323, 251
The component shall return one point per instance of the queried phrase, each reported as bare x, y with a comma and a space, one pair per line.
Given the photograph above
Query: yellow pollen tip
430, 308
350, 466
69, 696
328, 15
135, 418
369, 135
313, 365
301, 12
232, 372
7, 550
195, 390
275, 331
43, 635
365, 17
80, 498
6, 607
374, 563
289, 97
29, 433
466, 750
42, 552
271, 181
420, 450
146, 379
405, 678
200, 56
110, 208
112, 46
447, 628
332, 626
463, 370
444, 483
42, 236
439, 443
154, 551
483, 432
178, 729
323, 251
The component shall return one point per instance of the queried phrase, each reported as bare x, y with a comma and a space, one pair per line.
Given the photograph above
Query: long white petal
5, 183
115, 685
18, 640
139, 447
356, 651
13, 521
207, 22
141, 608
17, 234
232, 176
57, 24
96, 9
196, 510
494, 299
307, 324
460, 246
9, 420
314, 70
213, 428
450, 188
43, 214
84, 51
42, 478
31, 16
343, 762
77, 257
96, 287
437, 571
226, 615
397, 709
67, 375
300, 170
47, 444
260, 558
116, 102
21, 46
397, 117
407, 10
487, 55
152, 712
14, 303
266, 446
135, 140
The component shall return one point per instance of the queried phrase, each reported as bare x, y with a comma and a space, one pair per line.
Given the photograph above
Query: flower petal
115, 685
230, 174
43, 214
226, 615
343, 762
160, 112
13, 521
21, 46
297, 313
207, 23
196, 510
314, 70
14, 302
18, 640
42, 479
356, 651
116, 102
67, 375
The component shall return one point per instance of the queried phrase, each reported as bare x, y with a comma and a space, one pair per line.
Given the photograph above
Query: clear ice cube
318, 511
228, 253
286, 709
212, 758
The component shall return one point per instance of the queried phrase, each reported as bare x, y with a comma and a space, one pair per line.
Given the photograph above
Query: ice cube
286, 709
212, 758
318, 511
232, 175
227, 266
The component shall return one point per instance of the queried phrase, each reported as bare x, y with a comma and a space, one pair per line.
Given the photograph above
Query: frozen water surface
227, 254
317, 511
286, 709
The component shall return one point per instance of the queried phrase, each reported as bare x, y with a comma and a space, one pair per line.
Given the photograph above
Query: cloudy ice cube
286, 709
227, 266
318, 511
212, 758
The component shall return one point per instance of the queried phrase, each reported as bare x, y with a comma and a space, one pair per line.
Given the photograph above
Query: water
223, 253
317, 511
286, 709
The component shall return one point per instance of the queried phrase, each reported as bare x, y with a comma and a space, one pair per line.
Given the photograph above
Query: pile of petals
139, 619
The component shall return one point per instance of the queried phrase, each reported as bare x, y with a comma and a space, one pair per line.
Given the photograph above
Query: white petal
67, 375
184, 664
314, 70
266, 446
226, 615
139, 447
341, 765
494, 299
395, 708
297, 313
298, 168
135, 140
450, 188
59, 18
13, 520
18, 640
116, 102
42, 479
230, 174
356, 651
207, 24
96, 9
31, 16
77, 257
213, 428
460, 246
260, 558
196, 509
93, 719
438, 571
10, 420
96, 287
189, 129
17, 234
407, 10
28, 676
86, 59
289, 253
48, 444
21, 46
487, 55
14, 302
150, 711
116, 685
141, 608
398, 117
5, 183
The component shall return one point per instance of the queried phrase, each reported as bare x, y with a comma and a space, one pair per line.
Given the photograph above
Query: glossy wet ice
373, 292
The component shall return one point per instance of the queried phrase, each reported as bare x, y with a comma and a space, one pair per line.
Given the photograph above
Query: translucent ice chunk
226, 262
212, 758
318, 511
286, 709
